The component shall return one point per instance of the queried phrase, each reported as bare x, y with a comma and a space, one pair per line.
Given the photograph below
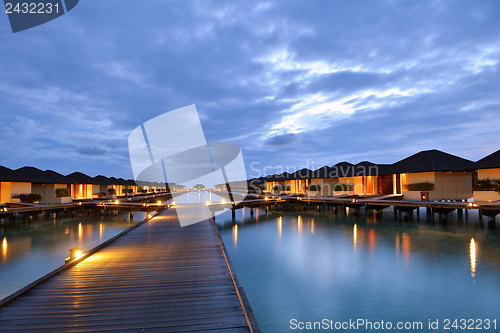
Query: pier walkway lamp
74, 253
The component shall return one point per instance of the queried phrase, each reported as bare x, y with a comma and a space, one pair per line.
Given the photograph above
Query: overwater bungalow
82, 186
431, 175
12, 184
487, 184
45, 183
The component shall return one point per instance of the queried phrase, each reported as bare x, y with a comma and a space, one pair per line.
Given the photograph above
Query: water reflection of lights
300, 225
312, 226
406, 247
355, 236
280, 225
235, 235
101, 229
473, 257
4, 248
371, 240
80, 232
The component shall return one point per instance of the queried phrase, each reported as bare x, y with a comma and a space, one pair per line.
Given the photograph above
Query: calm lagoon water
29, 250
311, 266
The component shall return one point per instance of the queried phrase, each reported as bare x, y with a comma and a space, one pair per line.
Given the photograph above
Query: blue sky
294, 83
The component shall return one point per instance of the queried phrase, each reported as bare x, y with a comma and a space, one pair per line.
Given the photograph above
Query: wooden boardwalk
157, 277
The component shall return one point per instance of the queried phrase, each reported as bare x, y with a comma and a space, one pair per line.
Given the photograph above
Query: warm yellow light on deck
266, 198
149, 216
223, 201
74, 253
472, 257
116, 201
470, 204
207, 203
5, 209
159, 203
173, 203
79, 204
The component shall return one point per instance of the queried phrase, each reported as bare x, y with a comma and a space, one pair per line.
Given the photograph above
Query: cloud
281, 140
338, 80
91, 151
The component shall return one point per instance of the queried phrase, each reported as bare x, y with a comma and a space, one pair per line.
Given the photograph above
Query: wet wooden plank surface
157, 277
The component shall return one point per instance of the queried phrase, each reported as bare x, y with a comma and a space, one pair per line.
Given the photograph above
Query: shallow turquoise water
29, 250
311, 266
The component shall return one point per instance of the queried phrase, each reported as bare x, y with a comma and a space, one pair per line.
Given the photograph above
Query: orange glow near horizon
406, 247
355, 236
472, 257
280, 226
235, 235
4, 248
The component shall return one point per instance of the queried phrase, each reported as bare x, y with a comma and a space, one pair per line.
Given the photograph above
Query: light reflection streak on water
371, 239
312, 226
80, 232
473, 257
299, 221
101, 229
280, 226
355, 236
235, 235
406, 248
4, 248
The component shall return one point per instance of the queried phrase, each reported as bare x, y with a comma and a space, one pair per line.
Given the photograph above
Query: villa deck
154, 277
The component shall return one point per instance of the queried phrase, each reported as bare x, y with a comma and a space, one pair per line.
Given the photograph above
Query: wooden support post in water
115, 212
251, 211
73, 212
102, 211
317, 208
131, 215
233, 213
54, 215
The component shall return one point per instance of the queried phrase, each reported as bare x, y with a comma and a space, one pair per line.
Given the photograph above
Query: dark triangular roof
342, 169
101, 180
8, 175
429, 160
489, 162
80, 178
302, 174
366, 168
321, 172
35, 175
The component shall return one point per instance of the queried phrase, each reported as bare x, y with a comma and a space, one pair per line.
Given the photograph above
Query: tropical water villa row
430, 175
51, 187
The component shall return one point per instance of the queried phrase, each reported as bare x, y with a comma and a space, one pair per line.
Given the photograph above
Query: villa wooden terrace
154, 277
369, 203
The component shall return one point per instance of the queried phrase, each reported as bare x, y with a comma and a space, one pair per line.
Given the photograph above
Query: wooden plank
157, 276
